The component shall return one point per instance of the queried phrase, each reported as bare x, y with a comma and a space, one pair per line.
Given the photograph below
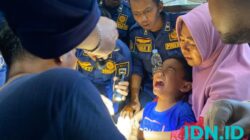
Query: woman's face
146, 13
189, 48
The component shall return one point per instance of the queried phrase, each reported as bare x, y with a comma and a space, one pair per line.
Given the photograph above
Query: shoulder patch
173, 36
85, 66
109, 68
122, 68
121, 22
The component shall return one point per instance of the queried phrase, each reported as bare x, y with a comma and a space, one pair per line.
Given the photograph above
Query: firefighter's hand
131, 109
229, 112
122, 88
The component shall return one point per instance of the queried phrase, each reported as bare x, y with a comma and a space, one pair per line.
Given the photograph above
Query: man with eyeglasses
154, 32
103, 67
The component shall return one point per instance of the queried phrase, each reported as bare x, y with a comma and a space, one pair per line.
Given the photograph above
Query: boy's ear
186, 87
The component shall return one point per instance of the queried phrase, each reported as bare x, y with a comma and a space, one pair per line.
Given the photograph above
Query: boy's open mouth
159, 83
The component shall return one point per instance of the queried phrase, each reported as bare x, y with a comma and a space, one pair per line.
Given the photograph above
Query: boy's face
169, 80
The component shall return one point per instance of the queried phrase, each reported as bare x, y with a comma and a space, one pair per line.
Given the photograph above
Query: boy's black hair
10, 45
186, 67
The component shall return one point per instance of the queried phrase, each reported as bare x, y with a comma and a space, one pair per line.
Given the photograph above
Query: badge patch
109, 68
122, 68
167, 27
121, 22
173, 36
172, 45
85, 66
143, 44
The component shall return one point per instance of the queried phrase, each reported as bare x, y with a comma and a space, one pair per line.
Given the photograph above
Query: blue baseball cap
50, 28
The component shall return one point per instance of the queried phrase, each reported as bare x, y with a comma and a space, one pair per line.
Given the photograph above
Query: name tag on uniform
86, 66
109, 68
171, 45
122, 68
143, 44
121, 22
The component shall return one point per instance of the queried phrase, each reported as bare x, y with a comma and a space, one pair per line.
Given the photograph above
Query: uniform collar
166, 24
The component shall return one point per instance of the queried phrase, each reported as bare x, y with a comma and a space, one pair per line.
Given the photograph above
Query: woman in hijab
220, 71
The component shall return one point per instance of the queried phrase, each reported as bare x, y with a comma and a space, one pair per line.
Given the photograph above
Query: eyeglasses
144, 13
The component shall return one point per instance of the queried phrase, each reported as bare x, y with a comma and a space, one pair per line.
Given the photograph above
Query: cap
50, 28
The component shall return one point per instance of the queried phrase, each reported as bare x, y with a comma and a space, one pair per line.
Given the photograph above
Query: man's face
232, 19
95, 56
146, 13
112, 3
102, 40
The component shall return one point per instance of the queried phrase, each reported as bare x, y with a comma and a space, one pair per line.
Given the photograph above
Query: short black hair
10, 45
186, 67
155, 1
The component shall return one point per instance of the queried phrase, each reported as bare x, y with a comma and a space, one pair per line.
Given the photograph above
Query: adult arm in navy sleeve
137, 73
86, 116
123, 67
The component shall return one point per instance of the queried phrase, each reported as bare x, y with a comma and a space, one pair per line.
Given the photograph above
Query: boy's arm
135, 129
156, 135
138, 116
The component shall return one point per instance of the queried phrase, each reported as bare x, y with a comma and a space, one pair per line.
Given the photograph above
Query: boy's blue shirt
169, 120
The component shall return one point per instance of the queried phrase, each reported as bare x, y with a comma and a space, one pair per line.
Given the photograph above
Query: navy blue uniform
3, 70
3, 67
54, 105
123, 16
142, 43
118, 61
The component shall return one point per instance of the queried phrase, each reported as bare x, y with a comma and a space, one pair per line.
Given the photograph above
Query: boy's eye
169, 70
148, 11
137, 14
